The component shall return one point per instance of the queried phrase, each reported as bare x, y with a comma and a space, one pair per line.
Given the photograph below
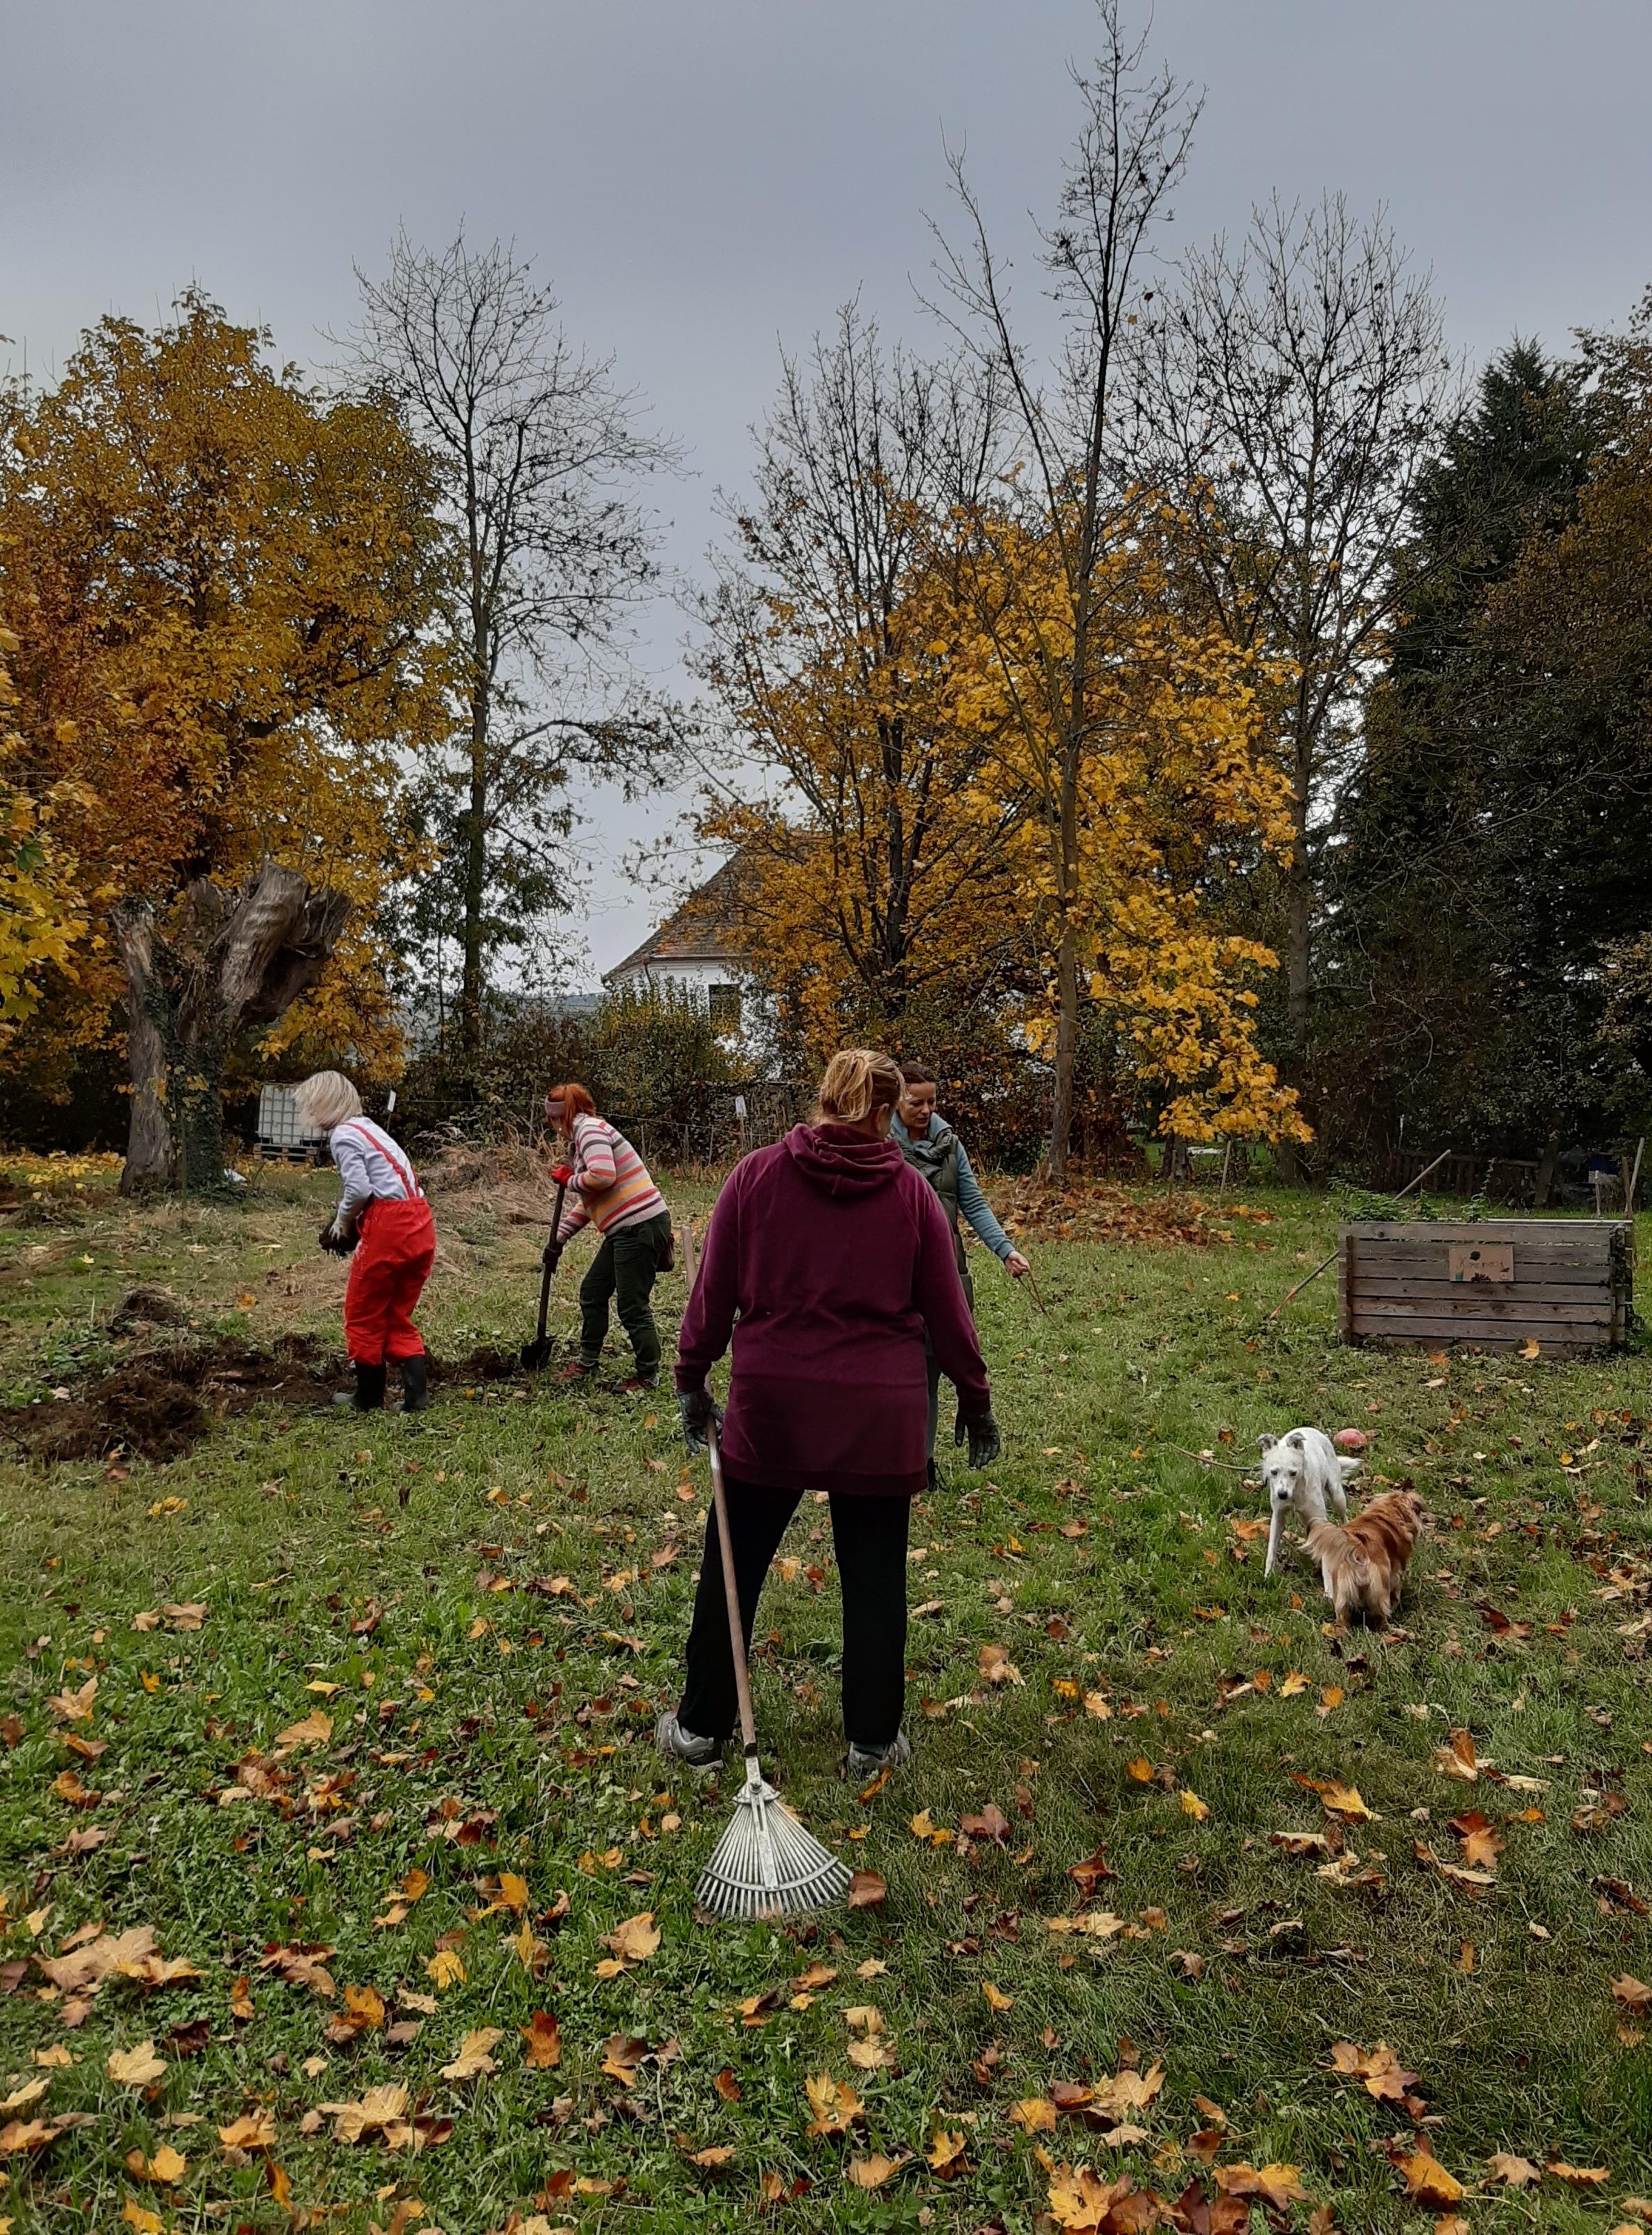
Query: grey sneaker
678, 1744
867, 1761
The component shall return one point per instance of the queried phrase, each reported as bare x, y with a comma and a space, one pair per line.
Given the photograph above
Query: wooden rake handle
731, 1583
545, 1275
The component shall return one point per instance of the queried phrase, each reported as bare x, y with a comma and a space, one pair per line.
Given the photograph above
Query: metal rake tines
766, 1864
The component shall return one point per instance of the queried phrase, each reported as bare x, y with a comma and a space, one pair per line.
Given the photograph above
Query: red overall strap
414, 1191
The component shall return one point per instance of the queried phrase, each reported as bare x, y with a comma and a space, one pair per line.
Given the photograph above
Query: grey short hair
327, 1098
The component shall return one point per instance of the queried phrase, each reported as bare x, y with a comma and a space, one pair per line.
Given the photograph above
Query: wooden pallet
1565, 1284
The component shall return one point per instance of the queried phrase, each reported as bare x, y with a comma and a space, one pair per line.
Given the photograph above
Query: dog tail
1352, 1578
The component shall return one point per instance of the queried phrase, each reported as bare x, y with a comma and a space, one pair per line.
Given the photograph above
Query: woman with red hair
609, 1186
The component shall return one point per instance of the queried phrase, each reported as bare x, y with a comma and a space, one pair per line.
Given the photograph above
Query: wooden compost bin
1567, 1283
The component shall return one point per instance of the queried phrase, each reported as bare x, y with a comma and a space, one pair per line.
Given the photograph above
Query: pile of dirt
159, 1405
143, 1308
1093, 1211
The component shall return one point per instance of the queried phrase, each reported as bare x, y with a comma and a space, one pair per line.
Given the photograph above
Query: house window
724, 1002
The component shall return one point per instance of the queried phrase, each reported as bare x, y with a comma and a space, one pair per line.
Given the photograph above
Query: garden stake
1332, 1259
1033, 1283
535, 1354
765, 1864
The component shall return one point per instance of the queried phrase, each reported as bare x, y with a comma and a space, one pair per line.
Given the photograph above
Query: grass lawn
386, 1802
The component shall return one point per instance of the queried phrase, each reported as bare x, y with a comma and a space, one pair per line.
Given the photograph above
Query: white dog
1302, 1471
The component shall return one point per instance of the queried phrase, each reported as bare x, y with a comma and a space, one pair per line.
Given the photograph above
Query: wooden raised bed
1567, 1283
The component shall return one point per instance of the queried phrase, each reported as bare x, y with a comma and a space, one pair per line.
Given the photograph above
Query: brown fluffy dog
1364, 1565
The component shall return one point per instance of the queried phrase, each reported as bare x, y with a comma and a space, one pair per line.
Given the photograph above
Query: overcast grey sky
703, 181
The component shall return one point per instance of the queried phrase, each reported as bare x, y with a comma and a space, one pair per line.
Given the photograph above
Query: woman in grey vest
928, 1142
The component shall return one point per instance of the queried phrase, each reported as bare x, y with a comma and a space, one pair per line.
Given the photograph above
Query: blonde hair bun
856, 1081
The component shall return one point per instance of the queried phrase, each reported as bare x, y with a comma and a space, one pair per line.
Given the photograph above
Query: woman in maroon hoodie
827, 1258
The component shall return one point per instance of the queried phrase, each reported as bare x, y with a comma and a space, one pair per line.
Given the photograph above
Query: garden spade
765, 1864
537, 1353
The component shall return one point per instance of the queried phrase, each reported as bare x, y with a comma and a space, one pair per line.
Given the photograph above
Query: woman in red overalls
384, 1218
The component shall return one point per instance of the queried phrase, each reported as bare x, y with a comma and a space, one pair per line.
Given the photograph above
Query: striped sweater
611, 1183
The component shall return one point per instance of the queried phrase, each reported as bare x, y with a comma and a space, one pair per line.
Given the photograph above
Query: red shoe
635, 1386
574, 1372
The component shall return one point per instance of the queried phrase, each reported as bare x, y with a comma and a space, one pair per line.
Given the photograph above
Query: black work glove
984, 1443
338, 1240
699, 1412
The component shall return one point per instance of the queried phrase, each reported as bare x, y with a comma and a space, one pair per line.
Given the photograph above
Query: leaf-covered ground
342, 1884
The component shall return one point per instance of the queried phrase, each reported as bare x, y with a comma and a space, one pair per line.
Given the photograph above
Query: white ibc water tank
279, 1126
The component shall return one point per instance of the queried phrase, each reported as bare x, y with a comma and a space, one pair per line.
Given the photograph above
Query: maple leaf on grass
1578, 2176
379, 2108
872, 2171
138, 2067
867, 1891
1381, 2071
946, 2153
1428, 2183
314, 1729
833, 2103
1458, 1760
253, 2130
997, 1999
1035, 2114
726, 2085
1081, 2201
1631, 1993
167, 2165
473, 2057
74, 1706
622, 2054
1513, 2172
543, 2034
635, 1940
710, 2159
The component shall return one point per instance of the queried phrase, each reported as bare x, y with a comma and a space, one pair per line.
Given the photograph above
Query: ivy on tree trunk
225, 965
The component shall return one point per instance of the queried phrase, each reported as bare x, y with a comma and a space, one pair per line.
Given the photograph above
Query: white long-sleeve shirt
372, 1165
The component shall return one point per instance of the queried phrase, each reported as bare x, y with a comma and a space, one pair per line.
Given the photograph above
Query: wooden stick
1634, 1181
1332, 1259
730, 1582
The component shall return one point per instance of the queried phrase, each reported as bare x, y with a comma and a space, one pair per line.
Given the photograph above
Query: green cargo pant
625, 1267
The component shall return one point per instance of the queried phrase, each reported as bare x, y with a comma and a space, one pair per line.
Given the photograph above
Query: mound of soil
147, 1308
159, 1405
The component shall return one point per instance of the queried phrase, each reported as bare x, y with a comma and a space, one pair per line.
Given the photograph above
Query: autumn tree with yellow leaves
220, 582
43, 921
873, 885
1122, 835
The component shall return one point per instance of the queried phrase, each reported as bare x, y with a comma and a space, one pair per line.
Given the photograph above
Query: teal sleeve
977, 1211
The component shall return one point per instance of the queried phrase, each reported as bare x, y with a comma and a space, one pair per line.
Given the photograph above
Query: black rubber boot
369, 1390
416, 1385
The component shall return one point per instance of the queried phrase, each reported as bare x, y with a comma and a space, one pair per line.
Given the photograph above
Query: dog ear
1349, 1468
1267, 1442
1294, 1440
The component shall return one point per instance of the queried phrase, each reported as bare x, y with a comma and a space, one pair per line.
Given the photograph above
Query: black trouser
625, 1266
869, 1537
